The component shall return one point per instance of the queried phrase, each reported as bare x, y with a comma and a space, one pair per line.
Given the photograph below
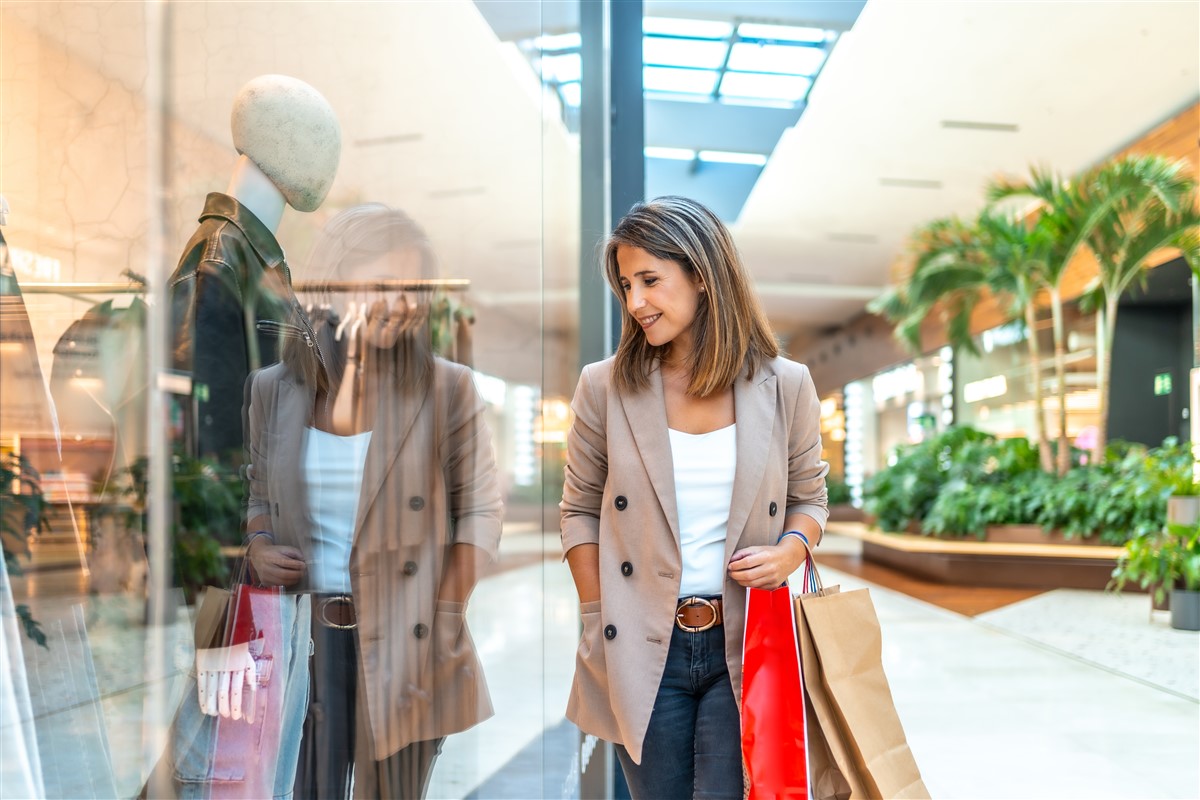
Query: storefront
905, 404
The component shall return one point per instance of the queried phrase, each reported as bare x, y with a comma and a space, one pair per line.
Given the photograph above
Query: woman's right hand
276, 565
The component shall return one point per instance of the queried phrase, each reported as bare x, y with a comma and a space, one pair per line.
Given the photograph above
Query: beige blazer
429, 482
620, 493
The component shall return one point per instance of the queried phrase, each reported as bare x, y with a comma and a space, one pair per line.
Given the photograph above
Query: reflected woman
373, 487
693, 471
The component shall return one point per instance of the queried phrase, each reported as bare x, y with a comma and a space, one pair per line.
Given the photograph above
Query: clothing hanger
350, 315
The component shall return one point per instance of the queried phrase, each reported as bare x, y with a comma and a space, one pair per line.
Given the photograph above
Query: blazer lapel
395, 413
754, 410
646, 413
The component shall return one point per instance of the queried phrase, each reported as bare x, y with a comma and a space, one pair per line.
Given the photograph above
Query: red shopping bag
773, 699
245, 755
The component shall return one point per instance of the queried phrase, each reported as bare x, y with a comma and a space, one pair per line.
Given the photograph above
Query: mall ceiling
918, 105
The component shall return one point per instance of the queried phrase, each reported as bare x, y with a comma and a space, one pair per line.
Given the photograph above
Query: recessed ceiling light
966, 125
910, 183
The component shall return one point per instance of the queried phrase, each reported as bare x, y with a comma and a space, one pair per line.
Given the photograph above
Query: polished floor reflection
1066, 694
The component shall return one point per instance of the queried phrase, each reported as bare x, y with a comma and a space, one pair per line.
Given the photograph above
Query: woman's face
659, 295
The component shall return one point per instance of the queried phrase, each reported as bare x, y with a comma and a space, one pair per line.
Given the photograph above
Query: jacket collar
754, 412
260, 237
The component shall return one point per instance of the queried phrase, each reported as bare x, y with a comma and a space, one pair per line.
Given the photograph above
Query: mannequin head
290, 132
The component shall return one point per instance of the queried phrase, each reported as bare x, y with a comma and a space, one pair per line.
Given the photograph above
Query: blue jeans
693, 747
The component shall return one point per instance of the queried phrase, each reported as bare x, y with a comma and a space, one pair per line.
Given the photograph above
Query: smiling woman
672, 508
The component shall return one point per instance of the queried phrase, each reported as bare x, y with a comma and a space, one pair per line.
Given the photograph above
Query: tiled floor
1065, 694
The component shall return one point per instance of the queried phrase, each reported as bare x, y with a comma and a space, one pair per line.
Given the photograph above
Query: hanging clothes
99, 381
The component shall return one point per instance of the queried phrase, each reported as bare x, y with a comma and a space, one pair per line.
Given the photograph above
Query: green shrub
839, 491
963, 480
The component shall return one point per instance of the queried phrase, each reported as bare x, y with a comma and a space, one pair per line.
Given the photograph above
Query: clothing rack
299, 287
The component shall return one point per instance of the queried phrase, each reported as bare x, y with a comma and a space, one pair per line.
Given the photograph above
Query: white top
704, 468
333, 473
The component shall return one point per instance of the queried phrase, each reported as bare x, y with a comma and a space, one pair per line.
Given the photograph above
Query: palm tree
947, 275
954, 263
1064, 221
1153, 207
1018, 254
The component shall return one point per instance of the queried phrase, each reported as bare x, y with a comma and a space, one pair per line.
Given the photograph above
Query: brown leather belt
697, 614
335, 611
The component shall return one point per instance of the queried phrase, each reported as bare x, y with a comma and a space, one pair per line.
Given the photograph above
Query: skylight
684, 52
706, 61
679, 81
776, 58
764, 87
690, 28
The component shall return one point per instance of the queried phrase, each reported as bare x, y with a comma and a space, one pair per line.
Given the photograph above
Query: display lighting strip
743, 63
854, 408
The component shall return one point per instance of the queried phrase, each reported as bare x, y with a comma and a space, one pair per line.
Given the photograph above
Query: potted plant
1142, 566
1171, 467
1180, 552
1183, 504
1166, 564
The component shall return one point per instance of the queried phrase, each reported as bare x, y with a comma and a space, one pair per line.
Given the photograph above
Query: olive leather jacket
231, 276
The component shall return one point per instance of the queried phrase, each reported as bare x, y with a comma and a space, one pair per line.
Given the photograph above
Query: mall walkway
1064, 694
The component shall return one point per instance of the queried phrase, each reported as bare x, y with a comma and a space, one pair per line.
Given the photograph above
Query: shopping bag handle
811, 581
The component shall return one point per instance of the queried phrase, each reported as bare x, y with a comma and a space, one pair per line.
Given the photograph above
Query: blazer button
416, 503
410, 568
627, 569
773, 509
420, 631
610, 632
621, 503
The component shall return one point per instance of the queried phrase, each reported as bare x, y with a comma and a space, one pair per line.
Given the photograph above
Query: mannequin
233, 277
233, 273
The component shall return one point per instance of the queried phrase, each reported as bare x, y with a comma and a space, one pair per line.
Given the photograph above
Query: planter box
971, 562
1035, 534
844, 512
1013, 534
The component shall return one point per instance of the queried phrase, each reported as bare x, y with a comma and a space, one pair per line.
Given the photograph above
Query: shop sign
34, 265
1162, 384
985, 389
896, 383
1003, 336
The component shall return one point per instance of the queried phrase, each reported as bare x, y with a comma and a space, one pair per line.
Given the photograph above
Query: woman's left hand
767, 566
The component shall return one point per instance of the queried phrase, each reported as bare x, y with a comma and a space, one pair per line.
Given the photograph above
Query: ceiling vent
966, 125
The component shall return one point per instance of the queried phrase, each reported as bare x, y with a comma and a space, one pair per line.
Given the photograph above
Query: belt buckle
324, 605
695, 601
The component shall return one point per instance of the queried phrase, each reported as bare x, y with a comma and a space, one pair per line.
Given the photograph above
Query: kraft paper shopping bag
845, 638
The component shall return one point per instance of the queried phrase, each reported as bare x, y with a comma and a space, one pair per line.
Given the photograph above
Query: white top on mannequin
251, 187
704, 469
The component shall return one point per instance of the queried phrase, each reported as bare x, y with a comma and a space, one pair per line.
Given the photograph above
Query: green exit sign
1162, 383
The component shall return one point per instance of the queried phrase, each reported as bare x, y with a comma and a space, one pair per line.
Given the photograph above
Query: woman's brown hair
730, 330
